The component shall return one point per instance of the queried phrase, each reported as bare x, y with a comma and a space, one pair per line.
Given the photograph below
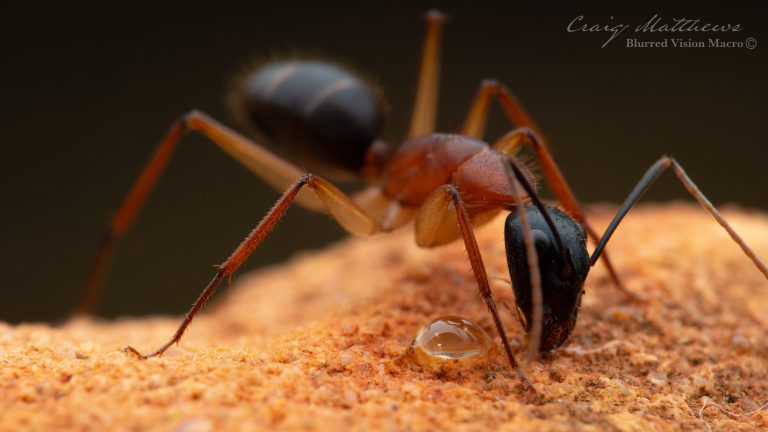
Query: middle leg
430, 221
341, 207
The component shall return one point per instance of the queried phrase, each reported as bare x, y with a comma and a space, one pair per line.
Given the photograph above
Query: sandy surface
319, 344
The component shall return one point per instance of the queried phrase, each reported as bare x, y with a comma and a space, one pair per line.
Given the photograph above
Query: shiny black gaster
561, 288
315, 112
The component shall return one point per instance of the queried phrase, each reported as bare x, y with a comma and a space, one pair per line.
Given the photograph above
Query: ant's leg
425, 105
430, 220
510, 144
645, 183
346, 213
274, 170
433, 224
474, 124
527, 131
477, 117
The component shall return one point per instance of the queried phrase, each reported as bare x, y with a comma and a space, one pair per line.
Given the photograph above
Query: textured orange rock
318, 344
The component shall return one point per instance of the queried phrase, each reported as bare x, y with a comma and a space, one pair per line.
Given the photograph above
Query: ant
329, 119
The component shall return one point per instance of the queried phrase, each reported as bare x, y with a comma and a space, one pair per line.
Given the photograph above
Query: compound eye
541, 240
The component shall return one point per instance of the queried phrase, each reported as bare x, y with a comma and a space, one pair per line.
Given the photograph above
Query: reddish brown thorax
423, 164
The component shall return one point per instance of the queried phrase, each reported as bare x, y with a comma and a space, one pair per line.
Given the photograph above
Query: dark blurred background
89, 91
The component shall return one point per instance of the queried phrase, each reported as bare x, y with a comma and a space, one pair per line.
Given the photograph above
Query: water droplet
449, 338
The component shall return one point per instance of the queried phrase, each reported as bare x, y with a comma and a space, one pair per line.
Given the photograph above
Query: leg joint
530, 134
306, 179
435, 15
491, 84
189, 119
453, 190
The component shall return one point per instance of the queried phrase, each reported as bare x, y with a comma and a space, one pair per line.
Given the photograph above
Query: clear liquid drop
449, 338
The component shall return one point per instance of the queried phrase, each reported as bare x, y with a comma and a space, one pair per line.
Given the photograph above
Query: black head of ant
562, 271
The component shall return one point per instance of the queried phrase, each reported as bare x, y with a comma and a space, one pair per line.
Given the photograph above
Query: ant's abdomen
320, 115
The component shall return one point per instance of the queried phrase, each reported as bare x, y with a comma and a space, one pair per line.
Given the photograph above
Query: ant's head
562, 271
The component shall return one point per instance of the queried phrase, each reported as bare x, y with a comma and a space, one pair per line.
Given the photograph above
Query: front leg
430, 221
528, 132
512, 142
